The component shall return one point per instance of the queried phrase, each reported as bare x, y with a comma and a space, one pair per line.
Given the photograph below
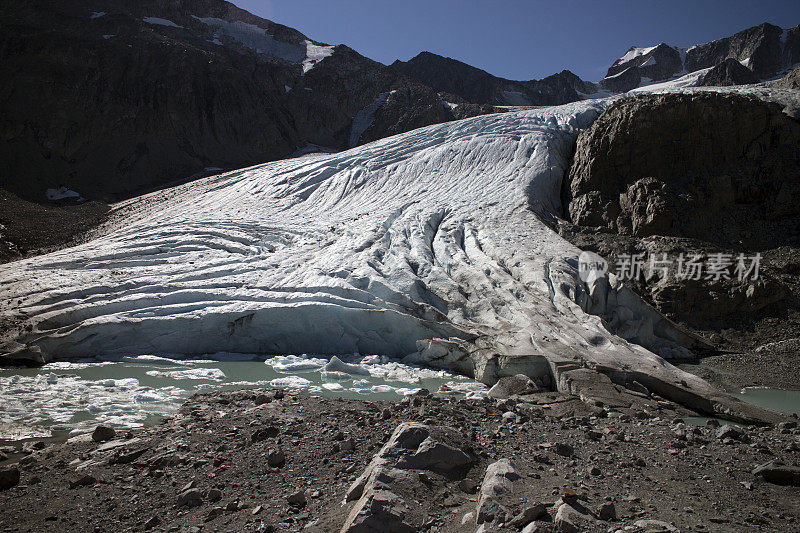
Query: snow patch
161, 22
692, 79
314, 54
365, 117
258, 39
62, 193
633, 53
650, 62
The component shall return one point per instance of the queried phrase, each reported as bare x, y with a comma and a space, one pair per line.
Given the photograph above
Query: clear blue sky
521, 39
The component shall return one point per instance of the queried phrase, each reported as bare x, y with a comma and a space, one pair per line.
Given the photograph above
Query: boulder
9, 477
779, 474
572, 518
512, 385
189, 498
498, 481
103, 434
393, 475
378, 511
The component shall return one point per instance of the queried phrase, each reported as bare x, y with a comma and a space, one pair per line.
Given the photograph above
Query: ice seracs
428, 245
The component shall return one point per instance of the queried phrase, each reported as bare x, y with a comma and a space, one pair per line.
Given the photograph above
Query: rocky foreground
265, 460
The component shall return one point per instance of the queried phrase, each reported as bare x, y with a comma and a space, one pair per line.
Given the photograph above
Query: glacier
432, 245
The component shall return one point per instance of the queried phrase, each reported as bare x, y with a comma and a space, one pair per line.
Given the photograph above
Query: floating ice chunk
152, 360
295, 363
290, 382
336, 375
214, 374
97, 15
337, 365
464, 387
52, 379
332, 386
148, 396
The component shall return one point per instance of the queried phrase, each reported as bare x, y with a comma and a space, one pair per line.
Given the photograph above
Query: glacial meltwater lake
70, 398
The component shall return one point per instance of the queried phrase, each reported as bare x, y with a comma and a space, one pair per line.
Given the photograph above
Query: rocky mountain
476, 85
765, 50
112, 97
729, 72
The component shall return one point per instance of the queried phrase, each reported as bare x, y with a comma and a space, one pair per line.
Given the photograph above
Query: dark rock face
475, 85
704, 166
729, 72
415, 106
790, 81
768, 49
628, 79
682, 175
95, 97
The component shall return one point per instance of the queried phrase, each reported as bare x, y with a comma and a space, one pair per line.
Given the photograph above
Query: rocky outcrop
478, 86
704, 166
729, 72
380, 492
111, 98
790, 81
704, 175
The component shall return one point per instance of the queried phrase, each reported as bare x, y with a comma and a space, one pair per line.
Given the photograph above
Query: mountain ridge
766, 50
111, 98
476, 85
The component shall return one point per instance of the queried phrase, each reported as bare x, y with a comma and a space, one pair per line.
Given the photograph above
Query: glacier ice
430, 245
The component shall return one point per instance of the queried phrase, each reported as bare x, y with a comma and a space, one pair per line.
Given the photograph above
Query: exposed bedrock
707, 166
694, 174
428, 245
790, 81
729, 72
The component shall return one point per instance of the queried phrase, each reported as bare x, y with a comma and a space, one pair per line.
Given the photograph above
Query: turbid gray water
127, 392
785, 401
